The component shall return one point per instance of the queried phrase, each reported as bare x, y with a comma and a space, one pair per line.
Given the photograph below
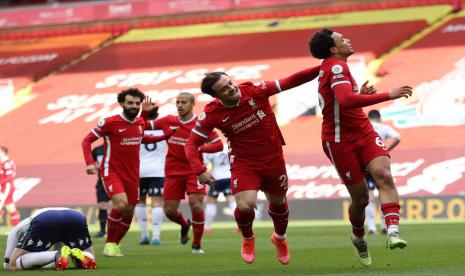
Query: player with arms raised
179, 176
349, 141
123, 134
244, 114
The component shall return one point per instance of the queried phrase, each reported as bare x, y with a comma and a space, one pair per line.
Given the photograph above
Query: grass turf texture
316, 248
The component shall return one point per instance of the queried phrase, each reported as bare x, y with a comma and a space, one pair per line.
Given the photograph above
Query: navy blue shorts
371, 182
153, 186
52, 226
221, 186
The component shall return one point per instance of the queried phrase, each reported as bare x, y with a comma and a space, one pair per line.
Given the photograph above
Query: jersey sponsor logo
101, 123
249, 121
131, 141
177, 140
336, 69
225, 119
202, 116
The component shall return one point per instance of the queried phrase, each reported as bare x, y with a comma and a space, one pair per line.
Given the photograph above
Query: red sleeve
149, 139
86, 147
347, 99
162, 124
192, 153
298, 78
214, 145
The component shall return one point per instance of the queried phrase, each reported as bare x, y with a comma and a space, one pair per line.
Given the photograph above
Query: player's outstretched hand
148, 105
367, 89
399, 92
91, 169
207, 178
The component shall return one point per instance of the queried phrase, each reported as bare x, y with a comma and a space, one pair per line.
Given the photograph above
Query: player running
349, 141
244, 114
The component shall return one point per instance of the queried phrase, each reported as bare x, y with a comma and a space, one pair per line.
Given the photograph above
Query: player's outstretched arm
347, 99
299, 78
91, 167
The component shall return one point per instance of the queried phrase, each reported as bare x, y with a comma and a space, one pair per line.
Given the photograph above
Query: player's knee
383, 176
196, 208
246, 206
121, 206
170, 212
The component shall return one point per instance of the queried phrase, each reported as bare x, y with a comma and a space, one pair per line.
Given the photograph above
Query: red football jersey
122, 145
7, 171
176, 161
250, 126
339, 124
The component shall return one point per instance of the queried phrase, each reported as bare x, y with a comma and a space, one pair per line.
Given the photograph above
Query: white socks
157, 219
210, 213
370, 217
141, 218
36, 260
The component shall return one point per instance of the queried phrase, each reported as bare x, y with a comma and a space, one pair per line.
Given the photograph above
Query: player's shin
198, 221
280, 216
244, 220
141, 218
125, 224
157, 219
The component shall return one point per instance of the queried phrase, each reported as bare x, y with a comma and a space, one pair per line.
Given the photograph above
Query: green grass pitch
316, 249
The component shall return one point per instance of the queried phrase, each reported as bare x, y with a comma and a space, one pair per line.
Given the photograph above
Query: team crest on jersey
252, 104
101, 123
202, 116
260, 83
336, 69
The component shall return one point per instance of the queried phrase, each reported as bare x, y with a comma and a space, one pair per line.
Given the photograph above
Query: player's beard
130, 113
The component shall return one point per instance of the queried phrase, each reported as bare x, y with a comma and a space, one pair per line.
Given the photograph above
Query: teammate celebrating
7, 187
386, 133
179, 177
349, 140
29, 241
221, 172
123, 134
152, 176
244, 114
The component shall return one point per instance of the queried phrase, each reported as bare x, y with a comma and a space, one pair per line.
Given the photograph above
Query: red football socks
280, 215
113, 225
245, 221
14, 218
178, 218
124, 226
198, 221
391, 213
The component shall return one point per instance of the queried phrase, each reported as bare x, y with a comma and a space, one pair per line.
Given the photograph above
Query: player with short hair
245, 116
152, 176
29, 241
386, 133
348, 138
123, 134
179, 177
102, 197
221, 172
7, 186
